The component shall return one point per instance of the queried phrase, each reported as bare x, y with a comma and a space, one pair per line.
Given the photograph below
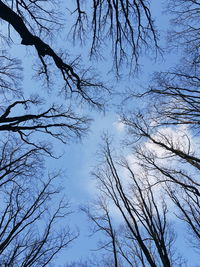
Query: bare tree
10, 76
127, 24
175, 97
185, 31
29, 235
148, 235
169, 155
103, 222
188, 212
18, 160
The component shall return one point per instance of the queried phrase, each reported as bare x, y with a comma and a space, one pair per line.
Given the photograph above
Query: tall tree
28, 231
145, 236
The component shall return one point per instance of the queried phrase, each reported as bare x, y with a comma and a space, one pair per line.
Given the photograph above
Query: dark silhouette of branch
125, 26
73, 81
188, 211
55, 121
17, 160
10, 75
185, 29
103, 223
176, 98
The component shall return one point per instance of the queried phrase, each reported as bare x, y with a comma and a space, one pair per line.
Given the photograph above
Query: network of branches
154, 186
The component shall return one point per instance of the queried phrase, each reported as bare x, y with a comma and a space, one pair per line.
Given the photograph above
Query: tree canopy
151, 179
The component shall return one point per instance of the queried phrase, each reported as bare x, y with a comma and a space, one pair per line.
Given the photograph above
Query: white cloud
119, 126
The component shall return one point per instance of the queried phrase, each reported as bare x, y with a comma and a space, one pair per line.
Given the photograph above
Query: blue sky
80, 157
